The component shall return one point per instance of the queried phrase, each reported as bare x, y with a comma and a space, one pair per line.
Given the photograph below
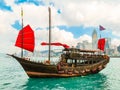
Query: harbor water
13, 77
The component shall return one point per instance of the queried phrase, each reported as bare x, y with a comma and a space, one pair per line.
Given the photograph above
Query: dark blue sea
12, 77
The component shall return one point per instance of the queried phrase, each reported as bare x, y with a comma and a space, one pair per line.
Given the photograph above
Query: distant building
115, 51
118, 48
79, 46
108, 43
84, 45
110, 52
108, 48
94, 39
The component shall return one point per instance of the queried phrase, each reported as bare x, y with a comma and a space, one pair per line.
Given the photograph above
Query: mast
49, 9
22, 32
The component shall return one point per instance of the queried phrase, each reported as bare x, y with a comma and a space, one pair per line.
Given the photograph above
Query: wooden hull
34, 69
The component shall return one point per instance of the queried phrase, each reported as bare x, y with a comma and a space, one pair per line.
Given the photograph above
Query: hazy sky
72, 20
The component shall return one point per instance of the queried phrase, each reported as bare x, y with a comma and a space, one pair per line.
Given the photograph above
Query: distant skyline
72, 20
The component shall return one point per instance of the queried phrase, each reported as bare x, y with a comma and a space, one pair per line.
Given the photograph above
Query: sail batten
26, 38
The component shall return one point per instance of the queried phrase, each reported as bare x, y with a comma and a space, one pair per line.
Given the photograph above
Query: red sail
101, 44
26, 38
56, 44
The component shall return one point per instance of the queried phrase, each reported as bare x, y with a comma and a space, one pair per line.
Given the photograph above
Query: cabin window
81, 61
73, 61
69, 61
78, 61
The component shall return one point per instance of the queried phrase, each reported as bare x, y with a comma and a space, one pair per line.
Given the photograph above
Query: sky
73, 21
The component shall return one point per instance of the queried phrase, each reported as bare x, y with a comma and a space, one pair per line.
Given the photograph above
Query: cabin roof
81, 50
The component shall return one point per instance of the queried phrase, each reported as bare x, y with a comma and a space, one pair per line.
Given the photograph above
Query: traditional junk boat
73, 62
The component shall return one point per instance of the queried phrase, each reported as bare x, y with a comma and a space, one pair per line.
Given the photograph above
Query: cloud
74, 13
85, 38
8, 20
115, 42
91, 13
59, 35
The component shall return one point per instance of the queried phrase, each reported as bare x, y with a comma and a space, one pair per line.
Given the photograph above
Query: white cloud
115, 42
76, 12
57, 36
91, 13
84, 38
61, 36
7, 33
33, 15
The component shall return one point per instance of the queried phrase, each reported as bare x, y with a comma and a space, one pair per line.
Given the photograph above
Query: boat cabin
78, 57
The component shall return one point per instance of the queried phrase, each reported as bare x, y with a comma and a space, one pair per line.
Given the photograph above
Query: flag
101, 28
21, 12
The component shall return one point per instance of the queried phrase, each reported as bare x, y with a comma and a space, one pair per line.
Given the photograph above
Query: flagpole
22, 32
49, 9
100, 42
100, 38
101, 28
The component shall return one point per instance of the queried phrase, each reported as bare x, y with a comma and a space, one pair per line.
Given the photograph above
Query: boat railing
85, 56
54, 60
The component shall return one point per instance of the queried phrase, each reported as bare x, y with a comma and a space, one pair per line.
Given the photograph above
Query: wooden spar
22, 32
49, 9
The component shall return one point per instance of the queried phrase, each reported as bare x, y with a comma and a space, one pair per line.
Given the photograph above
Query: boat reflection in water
96, 81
